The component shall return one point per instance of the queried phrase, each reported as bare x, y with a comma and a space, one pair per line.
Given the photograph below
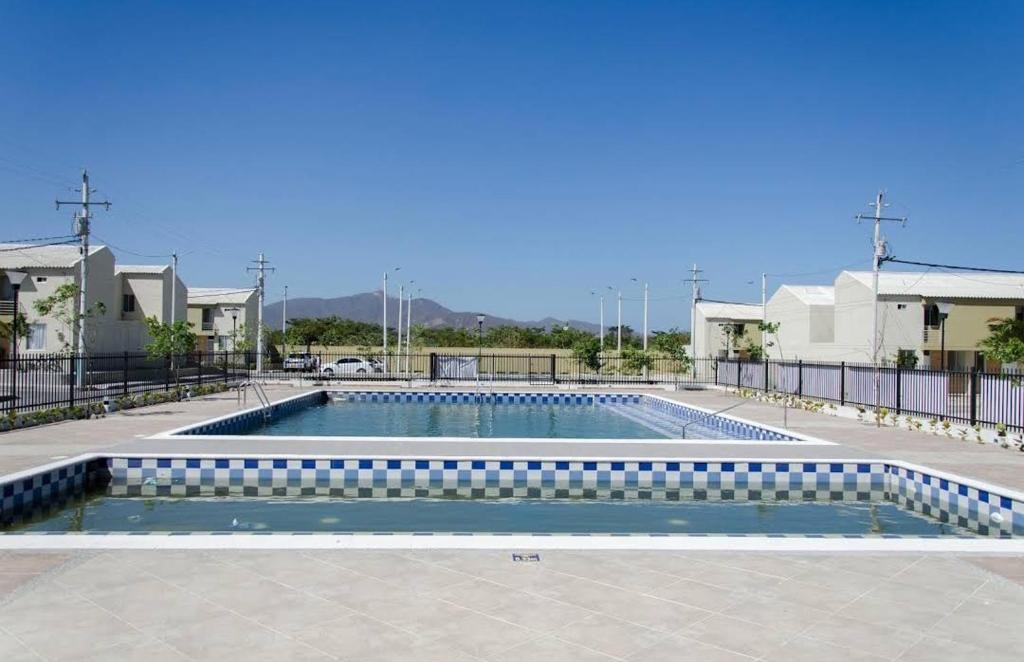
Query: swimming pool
353, 495
542, 516
396, 414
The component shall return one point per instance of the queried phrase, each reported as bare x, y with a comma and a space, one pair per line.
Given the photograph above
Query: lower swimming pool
486, 516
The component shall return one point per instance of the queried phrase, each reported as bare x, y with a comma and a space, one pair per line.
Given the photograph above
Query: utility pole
645, 317
619, 343
398, 358
174, 288
261, 275
284, 325
82, 217
878, 254
694, 280
764, 314
408, 334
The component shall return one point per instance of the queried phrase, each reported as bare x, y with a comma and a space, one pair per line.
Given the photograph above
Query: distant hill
366, 307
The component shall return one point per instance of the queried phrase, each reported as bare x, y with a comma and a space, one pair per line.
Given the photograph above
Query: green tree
588, 352
169, 339
17, 326
62, 306
670, 342
1005, 342
635, 360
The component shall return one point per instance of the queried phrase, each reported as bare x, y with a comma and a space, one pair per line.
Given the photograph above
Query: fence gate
541, 370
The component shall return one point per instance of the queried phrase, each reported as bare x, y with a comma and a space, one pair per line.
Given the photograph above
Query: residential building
913, 310
725, 330
806, 322
107, 328
217, 313
145, 291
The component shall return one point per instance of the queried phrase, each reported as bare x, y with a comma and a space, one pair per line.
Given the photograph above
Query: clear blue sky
512, 156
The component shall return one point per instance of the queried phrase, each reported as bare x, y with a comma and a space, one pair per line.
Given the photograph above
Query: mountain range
366, 307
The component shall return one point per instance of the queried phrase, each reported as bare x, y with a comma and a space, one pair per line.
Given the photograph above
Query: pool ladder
261, 395
682, 431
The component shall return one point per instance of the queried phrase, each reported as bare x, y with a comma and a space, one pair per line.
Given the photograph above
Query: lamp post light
16, 278
945, 307
234, 327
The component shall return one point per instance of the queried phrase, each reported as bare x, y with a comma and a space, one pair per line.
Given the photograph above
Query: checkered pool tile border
956, 501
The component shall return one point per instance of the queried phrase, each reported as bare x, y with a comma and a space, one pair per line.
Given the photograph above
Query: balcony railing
207, 326
7, 308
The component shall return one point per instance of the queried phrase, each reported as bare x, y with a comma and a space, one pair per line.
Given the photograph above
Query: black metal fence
973, 397
45, 381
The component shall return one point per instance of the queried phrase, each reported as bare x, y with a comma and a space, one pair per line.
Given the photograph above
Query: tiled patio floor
468, 605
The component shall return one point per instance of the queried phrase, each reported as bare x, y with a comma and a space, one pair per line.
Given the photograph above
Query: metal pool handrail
682, 431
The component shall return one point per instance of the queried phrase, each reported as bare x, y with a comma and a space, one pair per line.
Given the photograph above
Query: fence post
73, 360
899, 389
842, 383
766, 361
433, 366
800, 378
199, 365
554, 380
738, 366
974, 394
124, 375
225, 366
167, 372
714, 368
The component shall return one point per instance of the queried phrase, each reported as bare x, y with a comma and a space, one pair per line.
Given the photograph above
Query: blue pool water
486, 419
502, 516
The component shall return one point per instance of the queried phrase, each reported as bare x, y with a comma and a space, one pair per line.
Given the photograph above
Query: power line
32, 239
73, 240
951, 266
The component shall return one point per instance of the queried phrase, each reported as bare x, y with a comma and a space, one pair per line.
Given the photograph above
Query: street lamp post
16, 278
945, 308
234, 327
479, 344
385, 329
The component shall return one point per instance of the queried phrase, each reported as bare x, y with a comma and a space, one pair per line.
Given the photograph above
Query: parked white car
351, 366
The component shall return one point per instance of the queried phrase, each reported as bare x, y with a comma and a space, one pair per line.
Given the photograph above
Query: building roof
141, 268
813, 295
216, 295
29, 256
973, 285
729, 311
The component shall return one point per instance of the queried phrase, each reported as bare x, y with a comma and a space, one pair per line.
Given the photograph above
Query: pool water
434, 419
497, 516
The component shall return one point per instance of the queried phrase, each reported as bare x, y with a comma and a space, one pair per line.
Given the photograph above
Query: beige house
217, 312
912, 307
724, 330
120, 298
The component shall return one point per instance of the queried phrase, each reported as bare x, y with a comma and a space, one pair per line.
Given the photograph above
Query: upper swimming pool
486, 415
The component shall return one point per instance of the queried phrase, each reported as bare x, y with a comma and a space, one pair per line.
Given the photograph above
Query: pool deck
481, 605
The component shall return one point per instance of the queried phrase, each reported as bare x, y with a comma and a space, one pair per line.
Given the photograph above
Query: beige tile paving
342, 605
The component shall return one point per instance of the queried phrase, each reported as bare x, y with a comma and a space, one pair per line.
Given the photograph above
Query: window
40, 279
931, 315
901, 306
36, 337
207, 315
1018, 313
128, 303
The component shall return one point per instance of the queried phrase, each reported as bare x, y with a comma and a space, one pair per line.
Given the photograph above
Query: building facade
725, 330
219, 315
118, 298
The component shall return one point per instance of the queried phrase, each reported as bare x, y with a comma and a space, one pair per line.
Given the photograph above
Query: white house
724, 330
934, 319
806, 322
145, 291
217, 312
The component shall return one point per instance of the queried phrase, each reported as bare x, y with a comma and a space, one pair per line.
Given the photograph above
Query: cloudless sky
513, 156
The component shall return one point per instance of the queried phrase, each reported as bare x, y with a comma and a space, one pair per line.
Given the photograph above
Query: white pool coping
158, 541
802, 439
